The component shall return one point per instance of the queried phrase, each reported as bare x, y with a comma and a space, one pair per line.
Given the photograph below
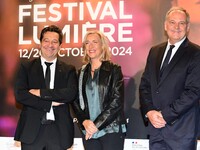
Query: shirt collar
43, 60
177, 44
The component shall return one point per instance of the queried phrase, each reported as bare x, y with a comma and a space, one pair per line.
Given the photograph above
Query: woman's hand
90, 128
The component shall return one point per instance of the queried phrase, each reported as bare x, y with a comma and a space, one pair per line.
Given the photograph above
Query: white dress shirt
50, 114
174, 50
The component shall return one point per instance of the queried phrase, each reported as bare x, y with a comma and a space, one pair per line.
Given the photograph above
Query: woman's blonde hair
105, 55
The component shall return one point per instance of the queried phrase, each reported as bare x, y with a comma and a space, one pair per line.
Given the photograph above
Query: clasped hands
156, 119
90, 129
36, 92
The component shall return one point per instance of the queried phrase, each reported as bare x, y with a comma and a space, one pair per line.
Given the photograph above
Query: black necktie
48, 75
166, 61
47, 82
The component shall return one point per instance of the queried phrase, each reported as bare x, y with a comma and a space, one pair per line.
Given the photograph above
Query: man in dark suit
170, 92
45, 121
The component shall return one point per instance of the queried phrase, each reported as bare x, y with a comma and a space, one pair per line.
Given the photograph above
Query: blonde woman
99, 108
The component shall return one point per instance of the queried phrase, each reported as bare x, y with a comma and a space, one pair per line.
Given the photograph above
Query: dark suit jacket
30, 76
176, 94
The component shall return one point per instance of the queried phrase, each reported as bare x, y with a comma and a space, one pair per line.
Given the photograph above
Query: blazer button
157, 92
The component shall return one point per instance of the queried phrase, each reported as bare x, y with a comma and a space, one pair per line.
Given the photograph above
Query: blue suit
176, 95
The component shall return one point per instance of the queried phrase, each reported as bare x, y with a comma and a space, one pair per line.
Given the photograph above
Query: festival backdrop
132, 27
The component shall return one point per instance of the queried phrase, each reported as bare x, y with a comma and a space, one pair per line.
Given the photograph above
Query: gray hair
178, 9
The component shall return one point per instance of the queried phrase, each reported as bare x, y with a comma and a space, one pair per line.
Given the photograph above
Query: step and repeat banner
132, 27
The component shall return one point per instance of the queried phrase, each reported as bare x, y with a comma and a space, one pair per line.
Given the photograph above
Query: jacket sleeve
115, 99
145, 94
81, 115
22, 94
65, 94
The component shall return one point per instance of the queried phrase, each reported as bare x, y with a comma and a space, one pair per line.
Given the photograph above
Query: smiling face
93, 47
176, 26
50, 45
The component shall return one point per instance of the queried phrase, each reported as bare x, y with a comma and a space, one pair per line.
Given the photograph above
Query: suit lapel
40, 73
104, 74
161, 52
178, 55
58, 74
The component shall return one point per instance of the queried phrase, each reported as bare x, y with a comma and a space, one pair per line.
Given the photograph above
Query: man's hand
35, 92
57, 104
156, 119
